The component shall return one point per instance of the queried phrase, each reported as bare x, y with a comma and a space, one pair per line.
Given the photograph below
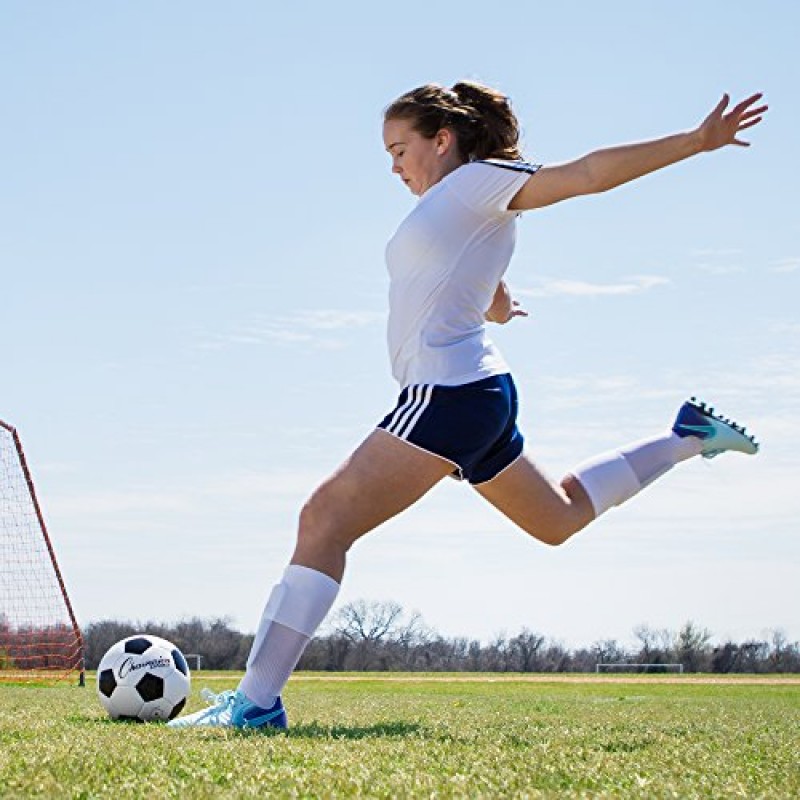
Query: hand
503, 315
503, 308
516, 311
719, 129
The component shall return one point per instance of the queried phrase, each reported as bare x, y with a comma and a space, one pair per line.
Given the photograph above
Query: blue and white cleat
232, 709
719, 434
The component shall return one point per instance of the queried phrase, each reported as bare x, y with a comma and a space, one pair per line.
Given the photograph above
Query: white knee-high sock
612, 478
651, 458
294, 611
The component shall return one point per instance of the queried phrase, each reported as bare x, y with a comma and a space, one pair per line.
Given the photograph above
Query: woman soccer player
457, 150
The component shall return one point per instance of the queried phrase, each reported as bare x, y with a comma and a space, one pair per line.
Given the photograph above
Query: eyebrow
393, 144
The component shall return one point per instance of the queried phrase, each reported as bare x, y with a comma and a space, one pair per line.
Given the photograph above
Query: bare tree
656, 645
608, 651
556, 658
691, 647
525, 648
753, 656
380, 636
362, 621
724, 658
785, 655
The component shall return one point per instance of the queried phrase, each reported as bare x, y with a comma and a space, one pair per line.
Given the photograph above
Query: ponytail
481, 118
497, 129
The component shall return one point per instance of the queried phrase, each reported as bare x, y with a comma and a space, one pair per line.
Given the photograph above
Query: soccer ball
143, 678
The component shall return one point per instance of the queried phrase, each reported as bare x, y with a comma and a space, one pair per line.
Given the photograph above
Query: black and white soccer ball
143, 678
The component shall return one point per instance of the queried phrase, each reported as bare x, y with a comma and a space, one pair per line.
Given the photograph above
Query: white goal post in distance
638, 668
198, 660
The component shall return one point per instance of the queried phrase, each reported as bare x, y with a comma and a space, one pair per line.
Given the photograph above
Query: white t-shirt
445, 262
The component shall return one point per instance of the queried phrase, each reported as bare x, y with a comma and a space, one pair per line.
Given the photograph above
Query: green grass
420, 738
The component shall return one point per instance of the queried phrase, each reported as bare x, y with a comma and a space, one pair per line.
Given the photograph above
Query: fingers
722, 105
753, 112
750, 123
742, 116
517, 310
740, 107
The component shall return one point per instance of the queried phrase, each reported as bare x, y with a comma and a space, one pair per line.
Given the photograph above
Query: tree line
381, 636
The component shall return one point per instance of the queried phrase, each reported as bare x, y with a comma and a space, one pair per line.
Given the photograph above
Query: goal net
39, 636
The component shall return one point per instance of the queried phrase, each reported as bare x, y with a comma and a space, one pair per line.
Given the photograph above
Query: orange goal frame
66, 662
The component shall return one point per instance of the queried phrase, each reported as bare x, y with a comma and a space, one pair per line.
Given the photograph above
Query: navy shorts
474, 425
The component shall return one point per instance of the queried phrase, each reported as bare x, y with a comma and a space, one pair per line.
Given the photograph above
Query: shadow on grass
312, 730
93, 719
380, 730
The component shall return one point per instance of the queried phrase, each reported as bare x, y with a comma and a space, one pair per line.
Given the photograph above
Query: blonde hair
480, 116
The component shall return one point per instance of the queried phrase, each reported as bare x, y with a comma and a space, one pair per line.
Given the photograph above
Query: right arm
604, 169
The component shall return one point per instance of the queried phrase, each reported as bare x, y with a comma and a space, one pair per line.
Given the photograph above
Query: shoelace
219, 702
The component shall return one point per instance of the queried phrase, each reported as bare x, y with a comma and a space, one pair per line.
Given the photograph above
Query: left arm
604, 169
503, 308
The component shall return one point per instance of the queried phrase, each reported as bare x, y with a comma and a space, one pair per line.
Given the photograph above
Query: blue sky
193, 211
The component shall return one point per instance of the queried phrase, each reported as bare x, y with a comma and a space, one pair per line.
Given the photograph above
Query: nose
396, 168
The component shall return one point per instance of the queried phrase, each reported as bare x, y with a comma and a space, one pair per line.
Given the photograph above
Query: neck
445, 168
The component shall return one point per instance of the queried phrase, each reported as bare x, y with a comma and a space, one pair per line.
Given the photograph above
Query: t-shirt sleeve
488, 187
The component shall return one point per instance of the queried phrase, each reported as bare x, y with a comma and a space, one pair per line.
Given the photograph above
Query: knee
553, 532
577, 514
553, 536
320, 522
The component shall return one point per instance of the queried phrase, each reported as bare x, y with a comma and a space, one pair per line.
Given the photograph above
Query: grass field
422, 736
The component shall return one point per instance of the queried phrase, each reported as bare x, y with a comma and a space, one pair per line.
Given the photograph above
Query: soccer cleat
233, 710
719, 434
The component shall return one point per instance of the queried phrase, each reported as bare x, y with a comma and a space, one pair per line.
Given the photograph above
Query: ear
444, 141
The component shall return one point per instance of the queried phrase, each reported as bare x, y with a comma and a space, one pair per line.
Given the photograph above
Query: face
419, 162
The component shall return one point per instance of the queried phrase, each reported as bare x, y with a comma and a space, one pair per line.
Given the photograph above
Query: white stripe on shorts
423, 401
402, 411
418, 398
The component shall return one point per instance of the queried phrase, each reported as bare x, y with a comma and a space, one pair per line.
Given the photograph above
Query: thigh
382, 477
549, 511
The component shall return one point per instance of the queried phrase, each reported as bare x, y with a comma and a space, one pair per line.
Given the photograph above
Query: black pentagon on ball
150, 687
107, 682
138, 645
180, 661
178, 708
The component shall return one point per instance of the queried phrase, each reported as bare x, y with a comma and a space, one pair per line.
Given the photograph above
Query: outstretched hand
719, 129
